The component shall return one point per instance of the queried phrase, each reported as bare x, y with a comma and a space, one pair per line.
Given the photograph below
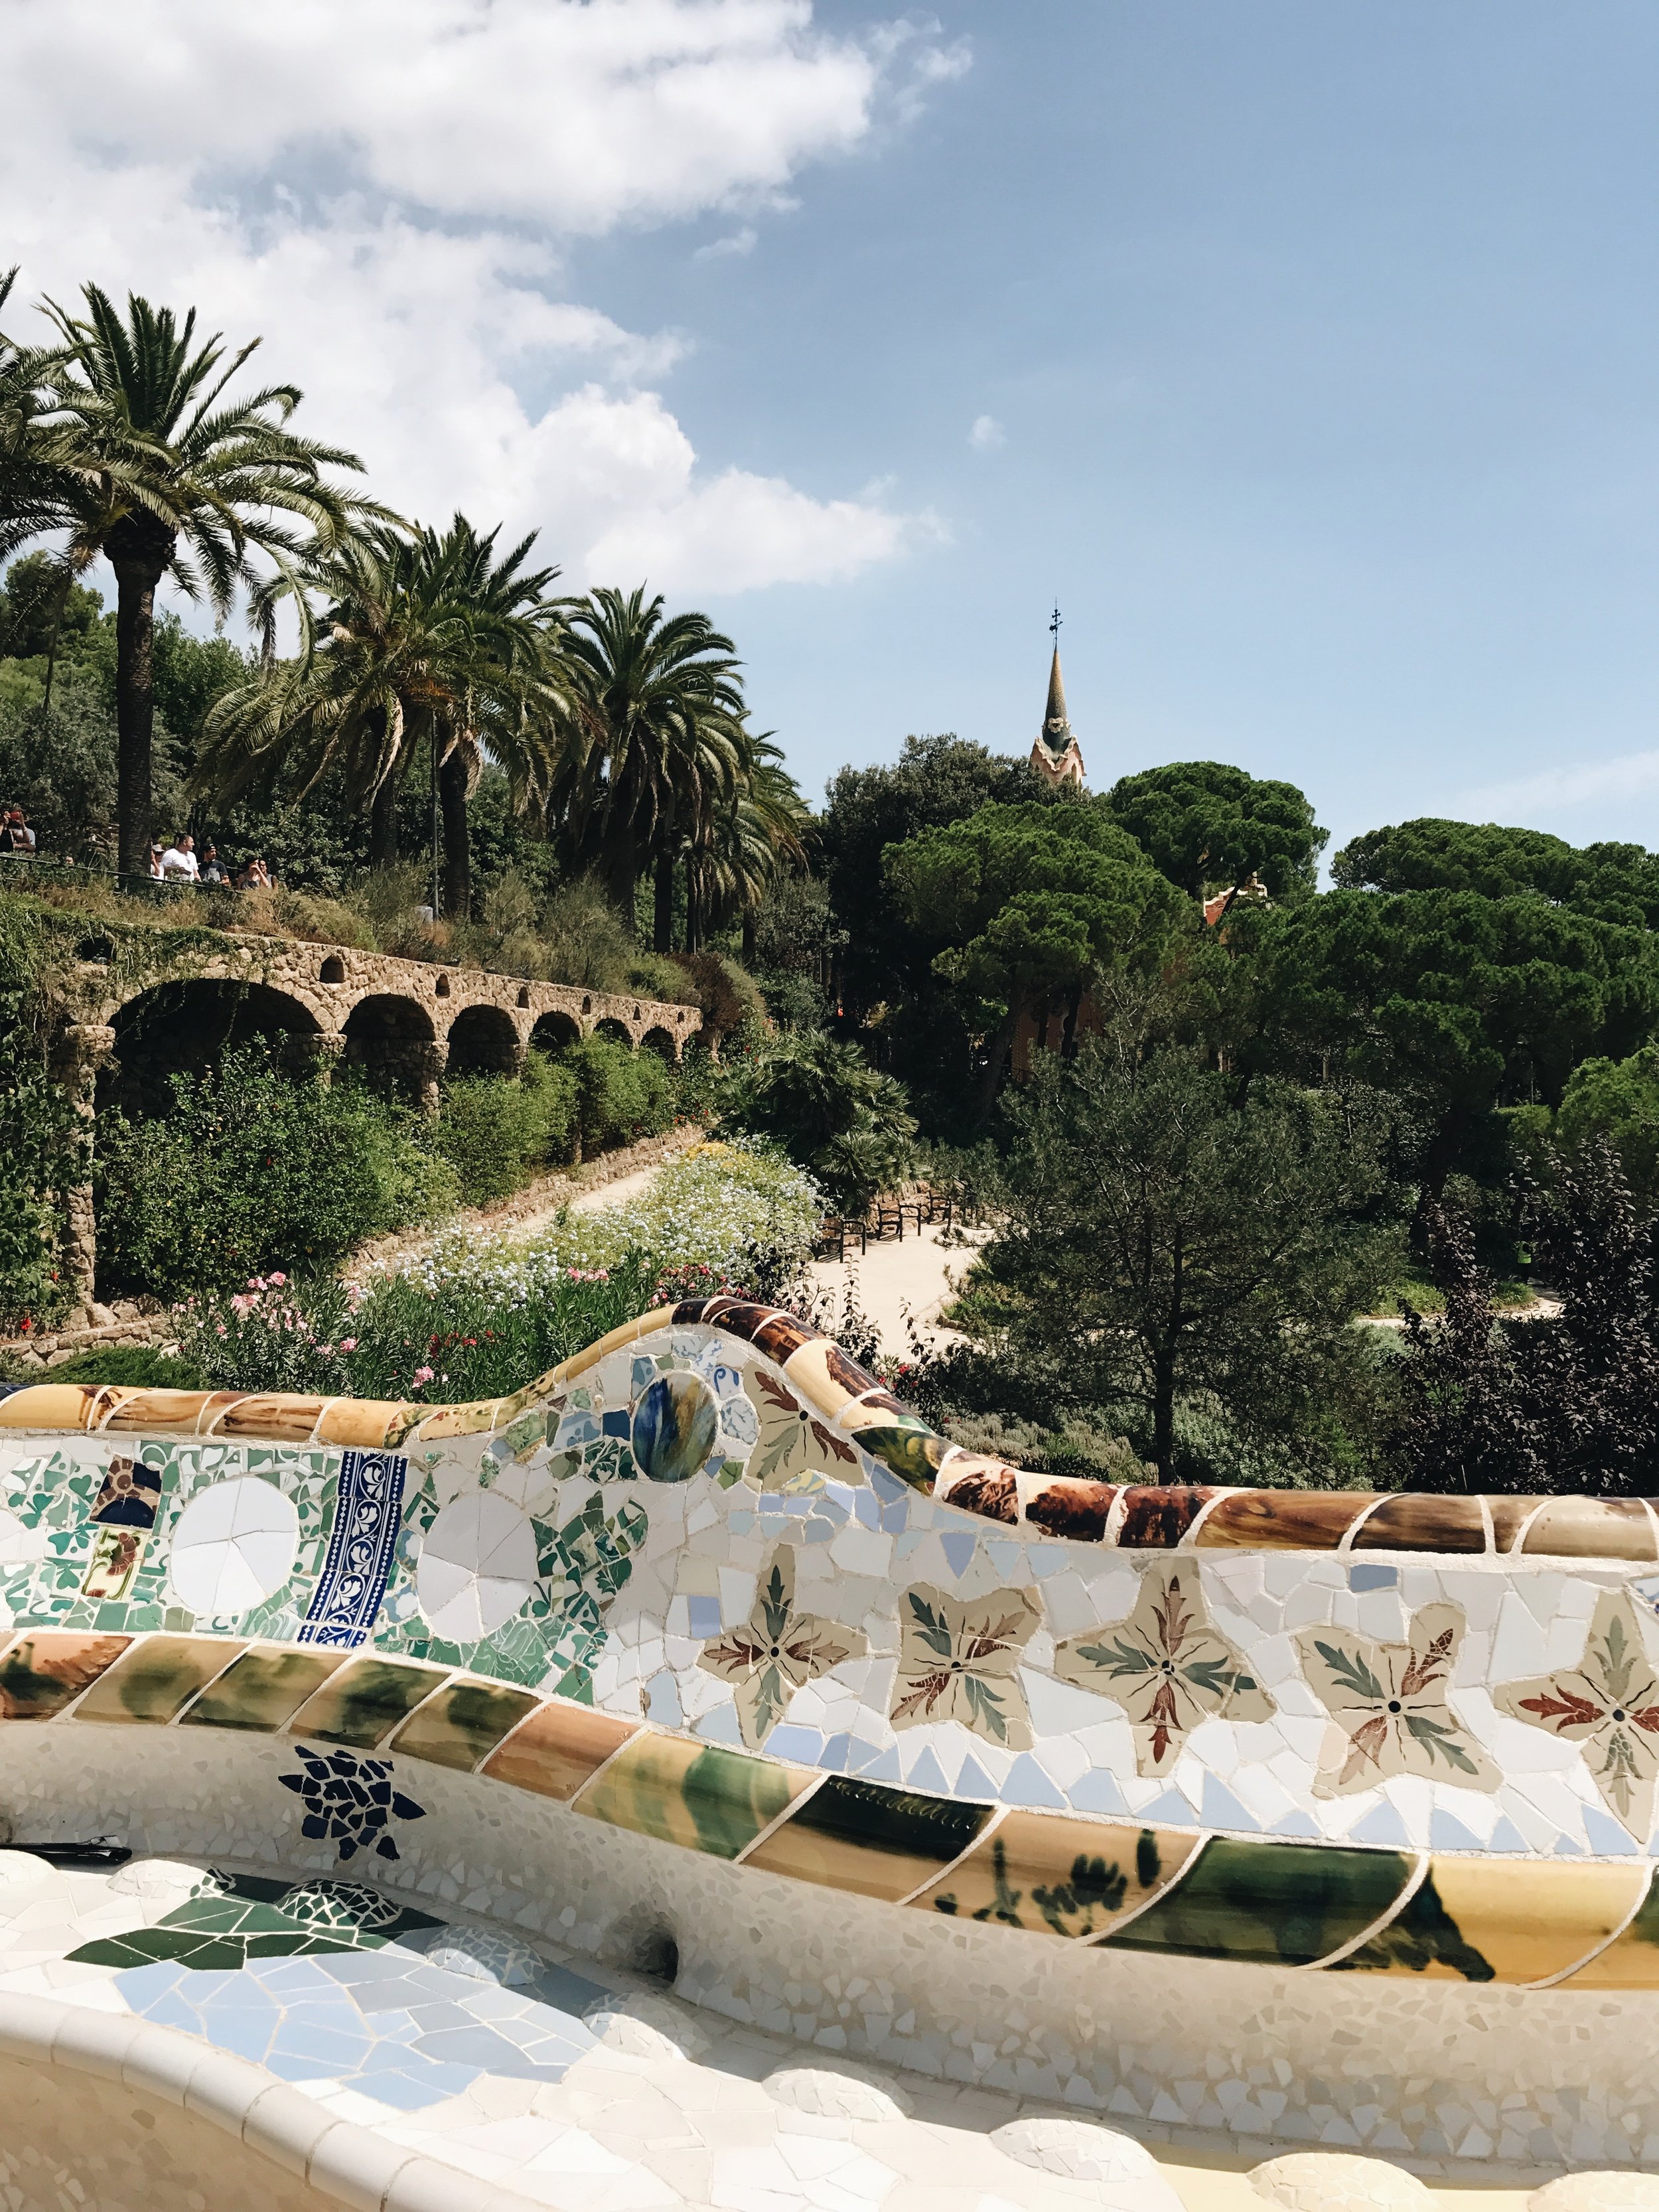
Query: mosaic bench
1315, 1816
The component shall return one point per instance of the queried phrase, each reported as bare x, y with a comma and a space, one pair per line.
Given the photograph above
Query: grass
139, 1366
1415, 1289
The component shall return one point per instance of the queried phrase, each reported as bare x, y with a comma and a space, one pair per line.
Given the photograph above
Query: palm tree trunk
138, 561
662, 933
748, 937
693, 916
458, 870
622, 869
383, 826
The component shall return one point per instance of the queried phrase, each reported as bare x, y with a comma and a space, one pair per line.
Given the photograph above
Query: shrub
426, 1333
587, 943
847, 1122
137, 1366
728, 994
620, 1094
486, 1129
251, 1166
655, 975
741, 1209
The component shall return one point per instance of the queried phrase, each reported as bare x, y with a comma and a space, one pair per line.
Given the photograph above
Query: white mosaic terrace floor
590, 2096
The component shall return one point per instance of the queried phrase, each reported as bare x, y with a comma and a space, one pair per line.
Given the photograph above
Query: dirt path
918, 1271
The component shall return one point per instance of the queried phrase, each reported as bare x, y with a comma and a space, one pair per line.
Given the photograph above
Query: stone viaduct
407, 1024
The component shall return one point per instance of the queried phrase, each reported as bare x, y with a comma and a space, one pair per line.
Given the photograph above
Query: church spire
1055, 755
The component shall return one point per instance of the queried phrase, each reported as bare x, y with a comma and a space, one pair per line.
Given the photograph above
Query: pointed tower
1054, 755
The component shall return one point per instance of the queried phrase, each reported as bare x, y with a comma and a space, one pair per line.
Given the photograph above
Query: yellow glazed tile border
854, 1404
1589, 1924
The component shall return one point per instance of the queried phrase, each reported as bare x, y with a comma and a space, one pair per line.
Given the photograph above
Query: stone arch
391, 1039
659, 1041
523, 999
555, 1032
186, 1026
483, 1040
609, 1026
332, 970
441, 986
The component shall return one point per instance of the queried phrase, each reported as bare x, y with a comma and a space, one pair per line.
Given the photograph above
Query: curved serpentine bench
1324, 1816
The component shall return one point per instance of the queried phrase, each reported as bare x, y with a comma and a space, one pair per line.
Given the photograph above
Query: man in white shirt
179, 861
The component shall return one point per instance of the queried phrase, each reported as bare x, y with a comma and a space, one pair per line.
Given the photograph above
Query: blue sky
1315, 342
1322, 342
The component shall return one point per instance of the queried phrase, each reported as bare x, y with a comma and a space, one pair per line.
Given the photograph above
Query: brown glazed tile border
1059, 1509
1477, 1916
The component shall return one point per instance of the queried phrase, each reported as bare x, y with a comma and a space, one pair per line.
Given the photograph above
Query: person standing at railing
212, 873
16, 838
178, 862
155, 863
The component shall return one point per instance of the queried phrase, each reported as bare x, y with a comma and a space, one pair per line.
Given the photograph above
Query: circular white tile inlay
233, 1546
477, 1568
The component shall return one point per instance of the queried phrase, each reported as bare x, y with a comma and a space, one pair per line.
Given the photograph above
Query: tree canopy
1463, 1001
1212, 828
1166, 1241
1030, 898
1612, 881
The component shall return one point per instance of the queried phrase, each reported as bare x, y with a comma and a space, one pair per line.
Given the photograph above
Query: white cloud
1628, 776
736, 245
987, 434
382, 189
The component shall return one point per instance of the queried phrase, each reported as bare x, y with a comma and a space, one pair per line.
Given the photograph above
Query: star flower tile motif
960, 1661
1166, 1666
1608, 1705
793, 1450
1389, 1709
776, 1652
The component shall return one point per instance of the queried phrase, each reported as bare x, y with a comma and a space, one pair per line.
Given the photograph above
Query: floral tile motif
776, 1650
960, 1661
1607, 1704
1166, 1666
367, 1518
349, 1801
1389, 1709
793, 1450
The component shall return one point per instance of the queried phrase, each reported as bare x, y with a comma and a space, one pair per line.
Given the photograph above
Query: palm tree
662, 748
746, 848
423, 639
33, 490
519, 701
150, 453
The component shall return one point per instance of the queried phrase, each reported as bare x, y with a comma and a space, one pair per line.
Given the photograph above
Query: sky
1303, 354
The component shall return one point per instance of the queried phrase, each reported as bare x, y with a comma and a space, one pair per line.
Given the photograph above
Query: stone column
79, 1051
323, 1049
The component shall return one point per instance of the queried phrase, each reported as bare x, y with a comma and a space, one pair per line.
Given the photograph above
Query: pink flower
222, 1330
423, 1373
347, 1344
277, 1282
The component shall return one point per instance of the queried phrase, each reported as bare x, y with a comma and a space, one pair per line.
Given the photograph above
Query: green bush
620, 1095
430, 1333
844, 1120
495, 1133
137, 1366
252, 1168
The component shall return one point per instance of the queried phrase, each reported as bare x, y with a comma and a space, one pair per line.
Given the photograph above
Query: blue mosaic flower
349, 1801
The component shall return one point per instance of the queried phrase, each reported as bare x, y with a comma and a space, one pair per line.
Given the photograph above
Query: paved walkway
918, 1271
